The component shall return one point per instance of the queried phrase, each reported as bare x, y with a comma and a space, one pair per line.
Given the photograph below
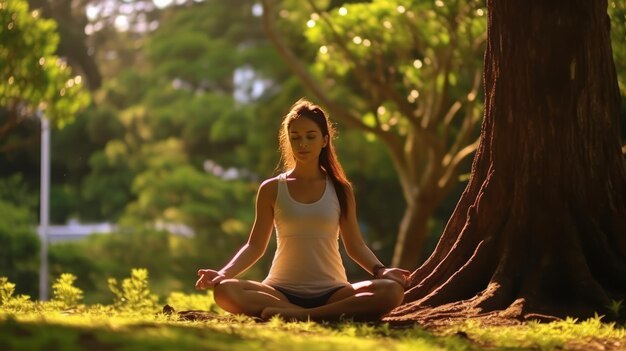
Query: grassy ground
135, 322
55, 332
95, 329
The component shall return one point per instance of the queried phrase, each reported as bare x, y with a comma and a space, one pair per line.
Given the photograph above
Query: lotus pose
309, 205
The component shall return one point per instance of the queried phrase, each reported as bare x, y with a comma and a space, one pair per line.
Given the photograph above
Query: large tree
540, 230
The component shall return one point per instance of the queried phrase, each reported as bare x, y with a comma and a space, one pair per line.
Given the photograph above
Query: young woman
309, 205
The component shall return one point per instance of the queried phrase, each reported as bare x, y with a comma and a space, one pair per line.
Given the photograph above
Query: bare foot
269, 312
298, 314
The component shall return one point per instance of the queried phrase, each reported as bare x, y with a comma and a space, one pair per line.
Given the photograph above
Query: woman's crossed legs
370, 299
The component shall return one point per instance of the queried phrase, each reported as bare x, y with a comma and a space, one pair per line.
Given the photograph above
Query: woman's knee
225, 293
390, 292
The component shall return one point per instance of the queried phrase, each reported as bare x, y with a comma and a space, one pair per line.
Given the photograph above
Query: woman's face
306, 139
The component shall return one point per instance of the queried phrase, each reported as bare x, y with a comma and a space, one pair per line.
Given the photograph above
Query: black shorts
308, 301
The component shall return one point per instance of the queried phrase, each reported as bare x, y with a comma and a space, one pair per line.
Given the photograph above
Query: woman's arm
359, 252
257, 241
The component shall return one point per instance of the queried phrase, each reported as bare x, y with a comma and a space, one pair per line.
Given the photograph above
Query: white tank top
307, 260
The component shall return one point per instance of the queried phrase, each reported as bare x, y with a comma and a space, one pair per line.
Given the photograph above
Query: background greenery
174, 120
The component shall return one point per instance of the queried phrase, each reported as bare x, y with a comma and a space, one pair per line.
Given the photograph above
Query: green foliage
107, 187
131, 247
77, 260
172, 190
134, 293
211, 41
19, 245
31, 76
64, 291
427, 48
6, 290
170, 259
8, 302
173, 118
14, 190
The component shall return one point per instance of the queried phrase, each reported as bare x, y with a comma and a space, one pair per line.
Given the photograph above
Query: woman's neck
307, 171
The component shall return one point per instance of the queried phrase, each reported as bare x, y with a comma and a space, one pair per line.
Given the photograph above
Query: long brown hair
327, 159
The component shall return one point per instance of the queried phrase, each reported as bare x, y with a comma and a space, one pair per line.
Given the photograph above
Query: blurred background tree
34, 83
32, 78
412, 83
18, 239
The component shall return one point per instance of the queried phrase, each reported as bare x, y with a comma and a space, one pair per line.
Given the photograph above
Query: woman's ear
325, 141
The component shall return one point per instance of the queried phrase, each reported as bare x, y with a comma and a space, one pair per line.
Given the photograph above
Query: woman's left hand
401, 276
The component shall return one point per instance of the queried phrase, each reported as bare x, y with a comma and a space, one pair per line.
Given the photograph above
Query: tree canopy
32, 77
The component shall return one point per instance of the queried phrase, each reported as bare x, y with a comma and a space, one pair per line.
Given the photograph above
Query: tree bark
540, 230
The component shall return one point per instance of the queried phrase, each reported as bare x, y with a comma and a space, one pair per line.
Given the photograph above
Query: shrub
10, 302
64, 291
6, 290
134, 293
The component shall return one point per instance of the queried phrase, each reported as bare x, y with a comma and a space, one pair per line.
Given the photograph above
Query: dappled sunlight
66, 319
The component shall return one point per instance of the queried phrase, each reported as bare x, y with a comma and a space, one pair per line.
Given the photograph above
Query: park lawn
135, 321
55, 331
94, 330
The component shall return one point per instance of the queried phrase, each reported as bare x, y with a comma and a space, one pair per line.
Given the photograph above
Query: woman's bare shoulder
269, 188
270, 182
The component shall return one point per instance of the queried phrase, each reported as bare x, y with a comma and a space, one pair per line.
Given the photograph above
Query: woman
309, 205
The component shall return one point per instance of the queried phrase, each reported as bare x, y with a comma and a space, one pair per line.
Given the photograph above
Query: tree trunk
412, 234
540, 231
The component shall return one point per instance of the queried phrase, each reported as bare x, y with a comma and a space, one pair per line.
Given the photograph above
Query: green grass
570, 333
127, 331
134, 322
95, 328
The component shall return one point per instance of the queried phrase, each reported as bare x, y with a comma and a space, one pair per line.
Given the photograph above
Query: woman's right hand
208, 279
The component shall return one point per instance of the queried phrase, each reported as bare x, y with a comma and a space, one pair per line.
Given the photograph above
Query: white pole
44, 211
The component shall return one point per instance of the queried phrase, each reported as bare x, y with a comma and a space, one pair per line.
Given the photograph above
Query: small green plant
616, 307
64, 291
10, 302
6, 290
134, 293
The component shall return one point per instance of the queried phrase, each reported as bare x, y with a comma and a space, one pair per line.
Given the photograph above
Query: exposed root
487, 307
